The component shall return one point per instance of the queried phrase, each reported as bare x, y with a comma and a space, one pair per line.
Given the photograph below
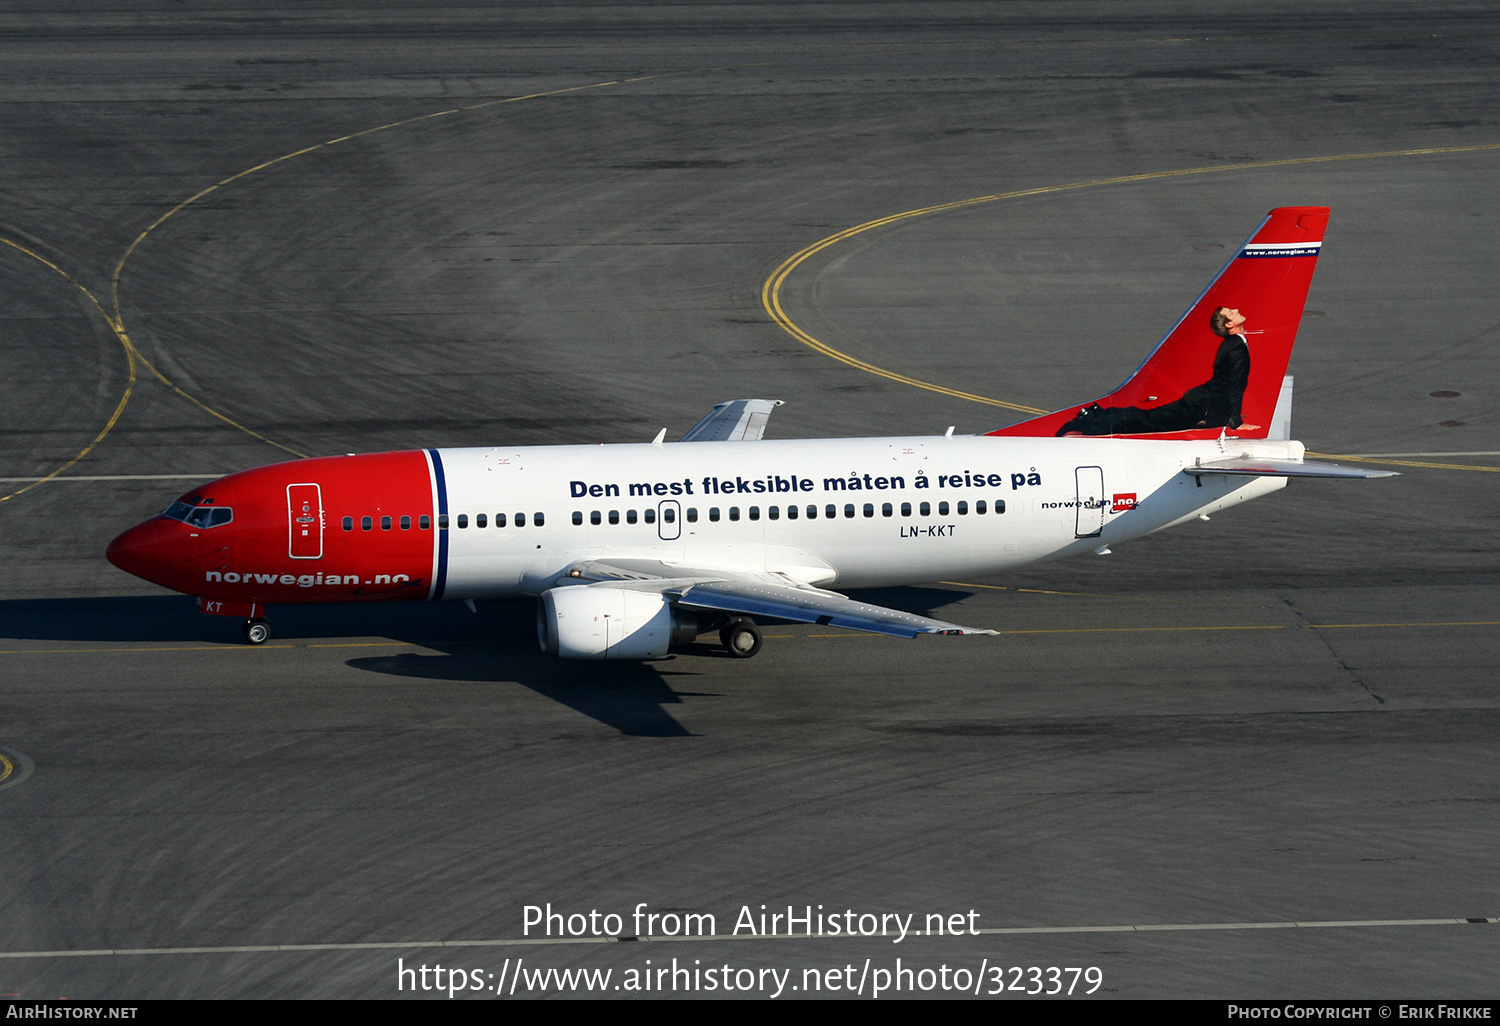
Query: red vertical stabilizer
1196, 383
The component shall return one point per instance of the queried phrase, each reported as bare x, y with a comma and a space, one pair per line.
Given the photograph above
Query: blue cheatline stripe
442, 511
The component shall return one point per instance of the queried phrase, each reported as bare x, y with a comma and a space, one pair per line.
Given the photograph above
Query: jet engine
610, 622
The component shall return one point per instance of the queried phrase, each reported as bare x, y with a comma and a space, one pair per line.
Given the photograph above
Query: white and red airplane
633, 549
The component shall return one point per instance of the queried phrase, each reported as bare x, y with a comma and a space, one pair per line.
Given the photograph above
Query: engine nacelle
604, 622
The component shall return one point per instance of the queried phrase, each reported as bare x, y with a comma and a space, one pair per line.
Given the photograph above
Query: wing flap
808, 605
738, 420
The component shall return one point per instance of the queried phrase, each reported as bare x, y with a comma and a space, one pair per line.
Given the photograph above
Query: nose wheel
741, 638
257, 632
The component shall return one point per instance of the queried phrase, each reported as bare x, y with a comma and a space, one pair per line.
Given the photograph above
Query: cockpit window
199, 516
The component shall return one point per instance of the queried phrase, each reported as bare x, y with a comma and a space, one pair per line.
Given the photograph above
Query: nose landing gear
257, 632
741, 637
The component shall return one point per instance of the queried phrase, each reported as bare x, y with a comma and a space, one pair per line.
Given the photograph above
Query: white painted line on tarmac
1403, 455
115, 477
518, 942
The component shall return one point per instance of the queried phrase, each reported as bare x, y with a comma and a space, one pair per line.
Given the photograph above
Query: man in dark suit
1213, 404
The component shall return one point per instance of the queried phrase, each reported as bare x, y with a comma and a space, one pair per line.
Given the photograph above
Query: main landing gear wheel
257, 632
741, 638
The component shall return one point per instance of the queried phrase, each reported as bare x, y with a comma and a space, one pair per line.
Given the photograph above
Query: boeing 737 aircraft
632, 549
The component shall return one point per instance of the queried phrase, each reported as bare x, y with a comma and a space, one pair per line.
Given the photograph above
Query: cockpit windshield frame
202, 517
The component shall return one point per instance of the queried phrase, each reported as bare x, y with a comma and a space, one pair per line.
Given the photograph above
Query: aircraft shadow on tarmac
498, 645
629, 697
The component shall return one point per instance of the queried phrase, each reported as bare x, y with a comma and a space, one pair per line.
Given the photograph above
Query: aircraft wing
738, 420
762, 594
1249, 466
813, 605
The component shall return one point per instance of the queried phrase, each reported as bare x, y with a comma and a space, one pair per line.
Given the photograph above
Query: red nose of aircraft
166, 551
150, 550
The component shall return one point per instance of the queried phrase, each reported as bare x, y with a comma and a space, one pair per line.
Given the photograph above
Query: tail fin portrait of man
1221, 366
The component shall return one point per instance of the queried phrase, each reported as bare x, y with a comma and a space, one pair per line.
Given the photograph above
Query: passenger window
463, 520
791, 512
630, 516
348, 523
713, 514
734, 512
442, 522
979, 507
499, 519
406, 524
999, 505
537, 519
650, 516
963, 509
614, 516
385, 523
595, 518
830, 511
774, 513
424, 522
577, 518
692, 514
669, 515
886, 510
366, 524
942, 509
849, 510
869, 509
754, 512
925, 509
480, 520
520, 520
906, 509
812, 512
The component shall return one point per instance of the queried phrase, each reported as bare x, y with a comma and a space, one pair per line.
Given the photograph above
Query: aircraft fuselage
846, 513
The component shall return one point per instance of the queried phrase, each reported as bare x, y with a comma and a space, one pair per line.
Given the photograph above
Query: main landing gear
257, 632
741, 638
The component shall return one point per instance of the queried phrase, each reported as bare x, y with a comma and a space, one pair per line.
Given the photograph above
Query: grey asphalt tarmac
233, 235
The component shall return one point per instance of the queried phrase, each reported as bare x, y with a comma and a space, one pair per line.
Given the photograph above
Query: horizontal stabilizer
1246, 466
738, 420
